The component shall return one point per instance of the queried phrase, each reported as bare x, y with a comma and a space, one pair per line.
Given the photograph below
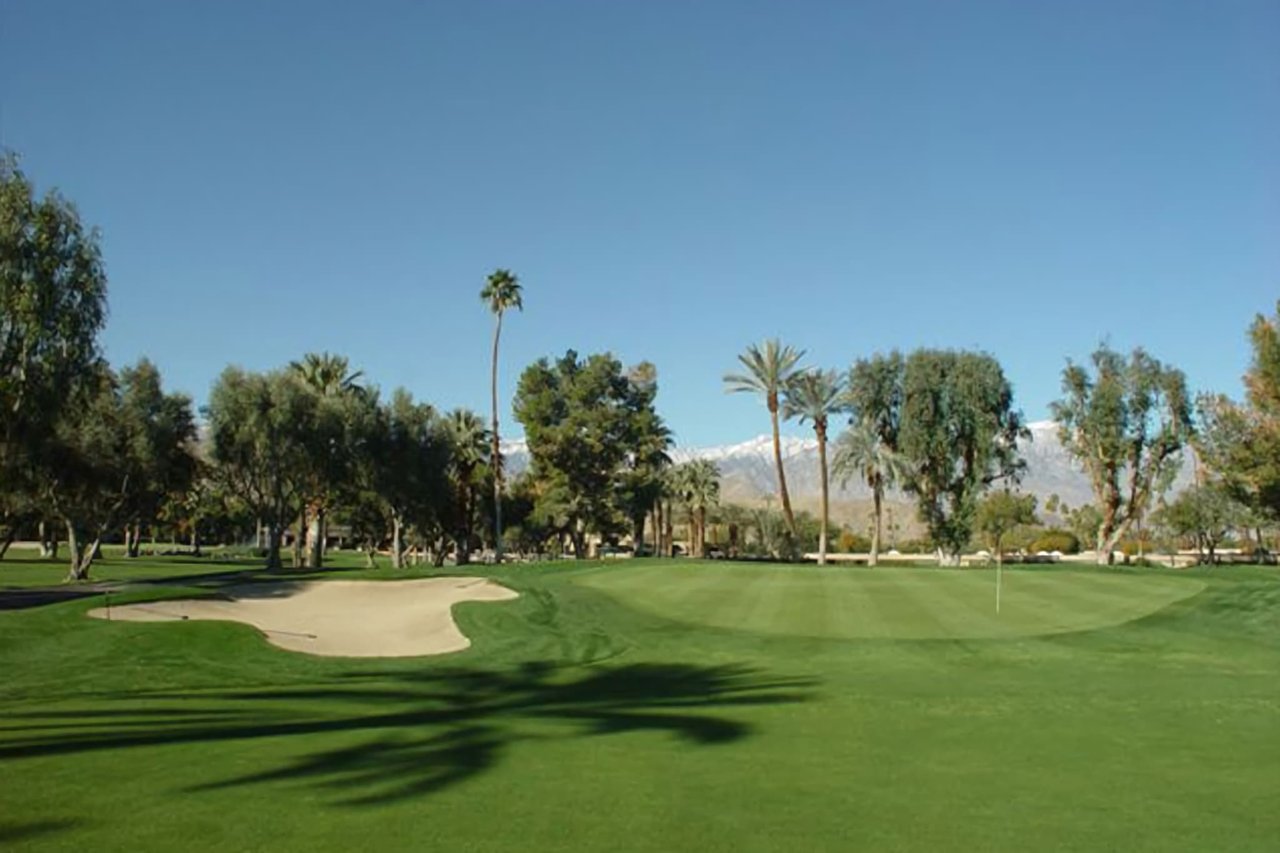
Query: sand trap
337, 618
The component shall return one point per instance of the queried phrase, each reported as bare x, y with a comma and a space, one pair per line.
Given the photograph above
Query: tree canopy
1125, 422
959, 433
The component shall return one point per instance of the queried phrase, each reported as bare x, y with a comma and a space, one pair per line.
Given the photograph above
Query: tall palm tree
468, 450
814, 395
768, 371
501, 292
860, 452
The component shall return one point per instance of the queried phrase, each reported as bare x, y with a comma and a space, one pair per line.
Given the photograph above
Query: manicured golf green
920, 604
668, 706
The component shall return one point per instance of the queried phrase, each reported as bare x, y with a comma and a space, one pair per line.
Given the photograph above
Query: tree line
89, 452
941, 426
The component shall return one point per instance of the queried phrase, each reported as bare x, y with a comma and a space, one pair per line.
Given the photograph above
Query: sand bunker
338, 618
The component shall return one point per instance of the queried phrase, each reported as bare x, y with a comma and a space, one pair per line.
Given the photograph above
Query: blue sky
671, 181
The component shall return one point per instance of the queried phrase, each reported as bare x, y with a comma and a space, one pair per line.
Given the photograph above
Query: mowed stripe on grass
896, 603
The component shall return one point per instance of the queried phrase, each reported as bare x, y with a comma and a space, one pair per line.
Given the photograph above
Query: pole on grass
998, 567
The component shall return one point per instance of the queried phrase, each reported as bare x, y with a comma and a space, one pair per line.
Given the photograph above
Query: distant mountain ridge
747, 470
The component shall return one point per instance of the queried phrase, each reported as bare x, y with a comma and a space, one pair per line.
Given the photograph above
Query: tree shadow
12, 833
416, 733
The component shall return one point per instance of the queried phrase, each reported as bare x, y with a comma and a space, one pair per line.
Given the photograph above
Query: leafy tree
52, 306
409, 466
999, 514
1206, 514
119, 448
862, 452
160, 434
1240, 443
501, 293
768, 370
261, 428
959, 432
641, 482
1126, 424
582, 419
814, 395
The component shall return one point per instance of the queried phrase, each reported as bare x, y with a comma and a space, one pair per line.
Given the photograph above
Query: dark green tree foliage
1001, 513
874, 395
116, 453
1205, 514
160, 430
1126, 423
409, 464
959, 433
1240, 444
469, 471
52, 306
641, 481
581, 419
262, 432
343, 413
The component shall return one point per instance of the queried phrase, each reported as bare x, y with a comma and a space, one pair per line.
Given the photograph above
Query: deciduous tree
959, 432
1125, 422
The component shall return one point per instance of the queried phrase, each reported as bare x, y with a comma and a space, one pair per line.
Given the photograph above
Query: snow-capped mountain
747, 472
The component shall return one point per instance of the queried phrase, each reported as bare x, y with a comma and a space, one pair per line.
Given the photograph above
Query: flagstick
997, 587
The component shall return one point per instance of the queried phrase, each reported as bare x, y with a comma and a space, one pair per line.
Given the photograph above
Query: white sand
337, 618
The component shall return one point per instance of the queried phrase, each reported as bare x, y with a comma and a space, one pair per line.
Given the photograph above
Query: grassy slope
578, 721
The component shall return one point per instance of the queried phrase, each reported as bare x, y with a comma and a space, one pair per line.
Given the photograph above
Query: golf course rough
891, 603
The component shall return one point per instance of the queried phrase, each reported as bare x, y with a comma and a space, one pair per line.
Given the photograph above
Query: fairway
660, 706
896, 603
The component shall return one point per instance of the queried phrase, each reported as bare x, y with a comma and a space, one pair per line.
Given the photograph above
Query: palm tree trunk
777, 461
397, 542
670, 543
877, 500
821, 430
497, 454
702, 531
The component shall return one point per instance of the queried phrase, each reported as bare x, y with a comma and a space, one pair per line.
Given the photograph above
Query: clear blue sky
670, 180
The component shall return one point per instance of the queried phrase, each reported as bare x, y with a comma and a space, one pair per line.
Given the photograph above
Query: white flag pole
997, 586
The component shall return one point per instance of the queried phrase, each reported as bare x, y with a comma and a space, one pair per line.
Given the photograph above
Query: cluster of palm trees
773, 371
695, 485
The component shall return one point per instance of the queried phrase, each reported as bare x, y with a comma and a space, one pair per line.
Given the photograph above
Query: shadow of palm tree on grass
382, 737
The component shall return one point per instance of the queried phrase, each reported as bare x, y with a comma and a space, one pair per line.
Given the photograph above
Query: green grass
901, 603
669, 706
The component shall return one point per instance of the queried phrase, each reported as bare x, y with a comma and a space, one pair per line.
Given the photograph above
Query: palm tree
697, 485
468, 450
327, 374
860, 452
768, 371
501, 292
330, 377
814, 395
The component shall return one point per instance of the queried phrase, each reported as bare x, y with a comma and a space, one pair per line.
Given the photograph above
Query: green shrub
853, 543
1056, 540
